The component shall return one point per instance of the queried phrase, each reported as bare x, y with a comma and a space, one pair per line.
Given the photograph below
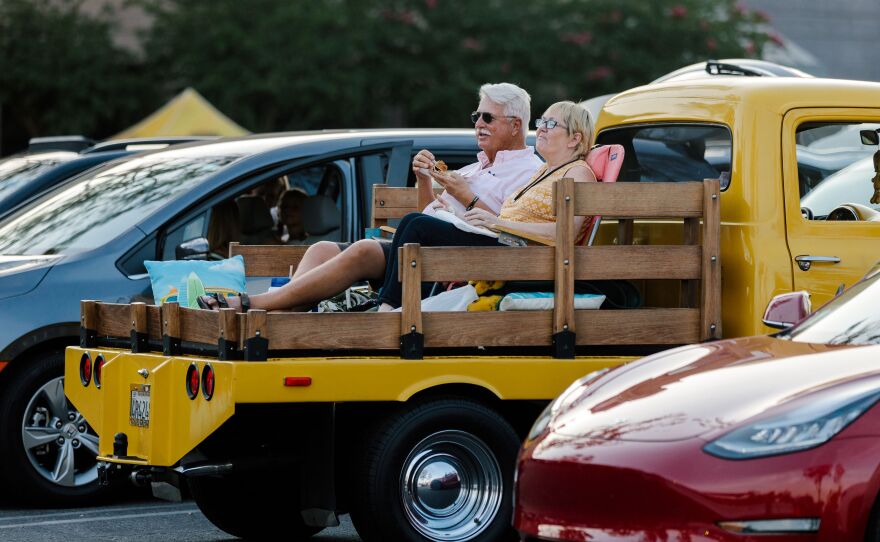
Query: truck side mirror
785, 310
194, 249
869, 137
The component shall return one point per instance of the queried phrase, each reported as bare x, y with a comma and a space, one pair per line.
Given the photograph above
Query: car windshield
17, 171
103, 204
852, 318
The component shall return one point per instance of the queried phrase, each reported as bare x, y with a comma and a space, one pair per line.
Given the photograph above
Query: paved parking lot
132, 521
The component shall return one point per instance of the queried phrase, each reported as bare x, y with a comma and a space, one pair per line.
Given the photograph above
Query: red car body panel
623, 458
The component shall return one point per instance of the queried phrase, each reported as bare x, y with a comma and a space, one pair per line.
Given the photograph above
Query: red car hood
693, 390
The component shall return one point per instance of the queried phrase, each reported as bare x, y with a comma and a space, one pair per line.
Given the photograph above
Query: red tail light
208, 382
192, 381
99, 369
85, 369
298, 381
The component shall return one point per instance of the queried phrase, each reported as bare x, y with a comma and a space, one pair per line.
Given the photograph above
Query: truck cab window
837, 171
672, 152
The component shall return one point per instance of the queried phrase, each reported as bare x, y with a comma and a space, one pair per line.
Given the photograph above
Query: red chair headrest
606, 161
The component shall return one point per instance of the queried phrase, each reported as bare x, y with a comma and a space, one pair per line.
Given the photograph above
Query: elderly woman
564, 134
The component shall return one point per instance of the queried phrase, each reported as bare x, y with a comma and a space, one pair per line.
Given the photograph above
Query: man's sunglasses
487, 117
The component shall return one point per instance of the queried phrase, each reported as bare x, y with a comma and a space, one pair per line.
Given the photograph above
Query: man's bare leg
318, 278
317, 254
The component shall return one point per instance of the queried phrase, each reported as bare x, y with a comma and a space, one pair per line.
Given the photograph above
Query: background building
827, 38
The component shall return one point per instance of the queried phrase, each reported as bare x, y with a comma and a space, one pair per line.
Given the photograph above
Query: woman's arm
542, 229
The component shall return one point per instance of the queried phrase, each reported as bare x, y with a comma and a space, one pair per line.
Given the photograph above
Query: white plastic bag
452, 300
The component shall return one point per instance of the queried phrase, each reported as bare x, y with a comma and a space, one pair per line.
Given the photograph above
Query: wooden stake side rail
394, 202
268, 260
696, 263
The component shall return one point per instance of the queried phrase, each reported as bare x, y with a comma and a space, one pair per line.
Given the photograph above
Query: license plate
139, 409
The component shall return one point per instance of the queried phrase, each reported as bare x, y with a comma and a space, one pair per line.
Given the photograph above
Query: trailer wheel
441, 471
246, 507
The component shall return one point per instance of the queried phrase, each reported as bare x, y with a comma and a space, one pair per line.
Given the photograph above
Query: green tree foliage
61, 73
304, 64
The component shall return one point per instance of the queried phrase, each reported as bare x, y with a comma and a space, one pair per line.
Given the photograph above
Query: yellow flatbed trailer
410, 421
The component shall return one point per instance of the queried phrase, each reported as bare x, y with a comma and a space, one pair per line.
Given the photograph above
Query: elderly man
504, 163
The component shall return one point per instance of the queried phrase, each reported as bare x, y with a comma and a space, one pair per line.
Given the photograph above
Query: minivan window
103, 204
16, 172
672, 152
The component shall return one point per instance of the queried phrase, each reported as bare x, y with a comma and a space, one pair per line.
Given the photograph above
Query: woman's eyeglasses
487, 117
548, 123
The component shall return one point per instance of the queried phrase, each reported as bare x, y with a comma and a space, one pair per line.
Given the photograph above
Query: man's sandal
215, 302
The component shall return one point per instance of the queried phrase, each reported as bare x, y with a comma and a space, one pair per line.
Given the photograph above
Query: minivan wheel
48, 448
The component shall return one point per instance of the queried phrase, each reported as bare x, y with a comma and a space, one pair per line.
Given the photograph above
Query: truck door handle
804, 261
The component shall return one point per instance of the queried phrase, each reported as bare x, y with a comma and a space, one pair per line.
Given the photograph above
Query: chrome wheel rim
451, 486
58, 442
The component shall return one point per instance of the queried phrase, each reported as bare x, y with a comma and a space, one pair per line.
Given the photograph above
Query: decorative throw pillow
184, 280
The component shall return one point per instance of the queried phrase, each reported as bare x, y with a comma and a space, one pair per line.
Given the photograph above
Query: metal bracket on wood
412, 345
256, 349
227, 350
88, 338
563, 344
170, 345
140, 342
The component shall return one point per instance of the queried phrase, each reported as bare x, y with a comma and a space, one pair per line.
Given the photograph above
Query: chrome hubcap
59, 443
451, 486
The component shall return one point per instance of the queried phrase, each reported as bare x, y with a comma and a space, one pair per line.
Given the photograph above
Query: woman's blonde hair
578, 120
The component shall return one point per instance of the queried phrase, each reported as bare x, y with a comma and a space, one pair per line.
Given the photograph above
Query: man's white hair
515, 101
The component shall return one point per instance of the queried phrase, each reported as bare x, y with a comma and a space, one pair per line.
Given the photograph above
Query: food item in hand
440, 166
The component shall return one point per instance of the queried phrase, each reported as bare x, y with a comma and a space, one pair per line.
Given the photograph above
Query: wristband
472, 203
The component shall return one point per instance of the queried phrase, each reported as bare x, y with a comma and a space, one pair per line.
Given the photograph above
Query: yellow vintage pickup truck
276, 423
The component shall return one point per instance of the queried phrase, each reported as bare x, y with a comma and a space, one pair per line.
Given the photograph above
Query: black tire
872, 531
400, 479
27, 407
247, 507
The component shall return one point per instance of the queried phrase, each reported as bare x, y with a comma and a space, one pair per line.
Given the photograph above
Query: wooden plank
411, 279
228, 326
393, 202
308, 330
380, 331
637, 262
113, 320
564, 262
269, 260
536, 263
154, 322
171, 320
625, 231
639, 200
255, 324
690, 289
532, 328
199, 326
711, 283
638, 326
88, 314
513, 328
490, 263
138, 315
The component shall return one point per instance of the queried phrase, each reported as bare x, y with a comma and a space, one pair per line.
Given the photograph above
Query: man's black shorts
384, 243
